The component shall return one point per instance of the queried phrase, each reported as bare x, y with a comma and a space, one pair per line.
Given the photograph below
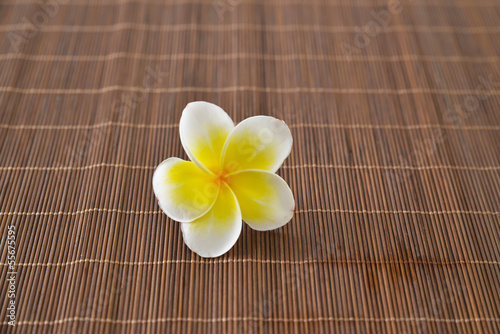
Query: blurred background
393, 106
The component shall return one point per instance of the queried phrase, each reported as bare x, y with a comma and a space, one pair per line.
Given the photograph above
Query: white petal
184, 191
204, 128
217, 231
260, 142
265, 199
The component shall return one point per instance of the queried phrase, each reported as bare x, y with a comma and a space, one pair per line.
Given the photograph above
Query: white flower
231, 176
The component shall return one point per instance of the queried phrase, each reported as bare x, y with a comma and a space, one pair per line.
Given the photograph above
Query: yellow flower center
222, 176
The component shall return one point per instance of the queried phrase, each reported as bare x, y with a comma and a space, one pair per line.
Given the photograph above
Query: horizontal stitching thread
346, 3
291, 262
133, 212
248, 27
115, 88
92, 166
243, 55
349, 4
296, 125
227, 319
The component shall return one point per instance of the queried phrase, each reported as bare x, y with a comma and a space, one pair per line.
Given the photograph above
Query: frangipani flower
231, 176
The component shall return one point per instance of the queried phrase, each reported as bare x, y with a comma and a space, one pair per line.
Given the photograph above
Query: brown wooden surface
395, 165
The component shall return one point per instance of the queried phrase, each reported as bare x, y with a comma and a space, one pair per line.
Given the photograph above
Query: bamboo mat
395, 166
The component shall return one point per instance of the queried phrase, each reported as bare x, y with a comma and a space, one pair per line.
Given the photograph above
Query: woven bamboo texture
394, 110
